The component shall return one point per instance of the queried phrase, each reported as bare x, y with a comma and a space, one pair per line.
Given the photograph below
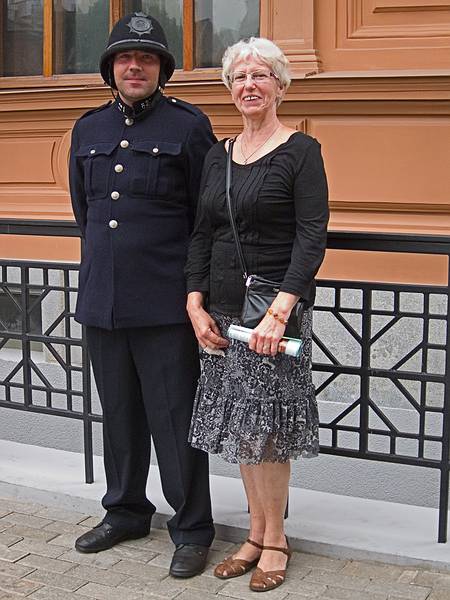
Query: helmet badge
140, 24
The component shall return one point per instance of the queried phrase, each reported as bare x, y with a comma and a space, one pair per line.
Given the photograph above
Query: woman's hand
267, 334
205, 328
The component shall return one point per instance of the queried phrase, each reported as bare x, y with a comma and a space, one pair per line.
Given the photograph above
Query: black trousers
146, 378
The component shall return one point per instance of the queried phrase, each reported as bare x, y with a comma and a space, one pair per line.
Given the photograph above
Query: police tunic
134, 180
134, 183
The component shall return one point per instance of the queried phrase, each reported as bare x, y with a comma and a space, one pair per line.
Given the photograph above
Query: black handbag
260, 292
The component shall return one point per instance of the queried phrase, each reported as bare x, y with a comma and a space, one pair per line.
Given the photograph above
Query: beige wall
371, 83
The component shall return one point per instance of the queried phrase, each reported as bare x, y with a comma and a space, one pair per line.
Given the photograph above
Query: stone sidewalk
37, 561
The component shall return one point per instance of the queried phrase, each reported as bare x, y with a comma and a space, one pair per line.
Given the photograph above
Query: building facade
371, 81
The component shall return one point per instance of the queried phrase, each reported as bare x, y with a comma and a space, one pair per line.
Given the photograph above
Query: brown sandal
235, 567
264, 581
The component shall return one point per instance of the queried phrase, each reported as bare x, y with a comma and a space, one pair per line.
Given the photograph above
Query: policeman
135, 171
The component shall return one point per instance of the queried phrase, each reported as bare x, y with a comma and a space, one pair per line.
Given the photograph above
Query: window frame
187, 74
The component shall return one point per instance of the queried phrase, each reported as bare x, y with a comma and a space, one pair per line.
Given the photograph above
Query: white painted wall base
319, 522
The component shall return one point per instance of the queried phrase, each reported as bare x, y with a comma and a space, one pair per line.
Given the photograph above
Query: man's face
136, 74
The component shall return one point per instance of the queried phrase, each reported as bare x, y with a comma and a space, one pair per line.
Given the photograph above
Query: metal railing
369, 423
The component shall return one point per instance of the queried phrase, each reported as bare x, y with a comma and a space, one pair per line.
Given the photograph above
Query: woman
254, 406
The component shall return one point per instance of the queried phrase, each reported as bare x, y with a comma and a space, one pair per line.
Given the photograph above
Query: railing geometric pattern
381, 365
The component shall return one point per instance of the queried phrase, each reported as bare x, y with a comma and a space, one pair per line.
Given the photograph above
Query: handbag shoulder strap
230, 210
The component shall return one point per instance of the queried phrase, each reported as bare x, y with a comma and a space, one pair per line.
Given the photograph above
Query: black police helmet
137, 31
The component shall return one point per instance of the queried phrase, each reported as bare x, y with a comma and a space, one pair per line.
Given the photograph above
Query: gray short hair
262, 49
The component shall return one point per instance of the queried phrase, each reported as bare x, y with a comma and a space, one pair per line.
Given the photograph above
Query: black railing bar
405, 435
39, 227
39, 388
393, 321
36, 371
408, 395
340, 369
444, 480
54, 266
26, 347
365, 377
76, 369
349, 327
58, 412
47, 333
342, 415
61, 391
326, 383
382, 432
408, 375
428, 463
422, 413
378, 286
384, 242
34, 337
388, 242
420, 347
322, 347
36, 287
386, 373
381, 313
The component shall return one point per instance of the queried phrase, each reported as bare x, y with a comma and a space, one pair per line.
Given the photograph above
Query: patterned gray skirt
251, 408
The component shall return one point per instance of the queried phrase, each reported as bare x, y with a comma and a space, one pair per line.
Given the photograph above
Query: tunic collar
140, 108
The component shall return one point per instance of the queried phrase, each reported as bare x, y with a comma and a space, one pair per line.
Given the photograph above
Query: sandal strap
286, 551
259, 546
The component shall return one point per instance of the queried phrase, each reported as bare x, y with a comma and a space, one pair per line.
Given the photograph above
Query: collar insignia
140, 24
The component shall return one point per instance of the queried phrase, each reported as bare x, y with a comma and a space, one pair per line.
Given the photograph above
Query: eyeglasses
240, 78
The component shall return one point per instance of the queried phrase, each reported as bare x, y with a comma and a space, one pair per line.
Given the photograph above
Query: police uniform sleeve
198, 143
76, 184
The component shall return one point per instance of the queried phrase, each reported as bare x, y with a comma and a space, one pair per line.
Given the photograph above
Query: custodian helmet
137, 31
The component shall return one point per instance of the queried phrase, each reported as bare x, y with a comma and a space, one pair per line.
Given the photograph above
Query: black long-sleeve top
281, 210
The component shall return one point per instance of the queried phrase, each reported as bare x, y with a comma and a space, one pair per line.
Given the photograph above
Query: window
21, 51
54, 37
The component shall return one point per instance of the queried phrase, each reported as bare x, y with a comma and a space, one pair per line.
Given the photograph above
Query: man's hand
206, 330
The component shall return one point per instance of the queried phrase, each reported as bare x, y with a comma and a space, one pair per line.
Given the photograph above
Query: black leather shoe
188, 560
104, 536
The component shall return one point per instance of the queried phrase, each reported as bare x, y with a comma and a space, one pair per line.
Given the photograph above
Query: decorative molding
404, 31
25, 107
360, 26
16, 166
389, 207
387, 6
266, 17
293, 31
60, 161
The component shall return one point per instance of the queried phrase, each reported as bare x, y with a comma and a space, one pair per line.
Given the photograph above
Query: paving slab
64, 582
39, 569
336, 593
101, 576
104, 592
43, 562
48, 593
14, 585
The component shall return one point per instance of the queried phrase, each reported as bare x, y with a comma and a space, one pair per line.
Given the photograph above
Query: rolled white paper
287, 346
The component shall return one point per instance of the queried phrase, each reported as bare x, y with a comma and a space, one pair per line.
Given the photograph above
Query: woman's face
254, 88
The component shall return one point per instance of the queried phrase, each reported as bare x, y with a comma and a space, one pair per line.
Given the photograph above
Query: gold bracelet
277, 316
